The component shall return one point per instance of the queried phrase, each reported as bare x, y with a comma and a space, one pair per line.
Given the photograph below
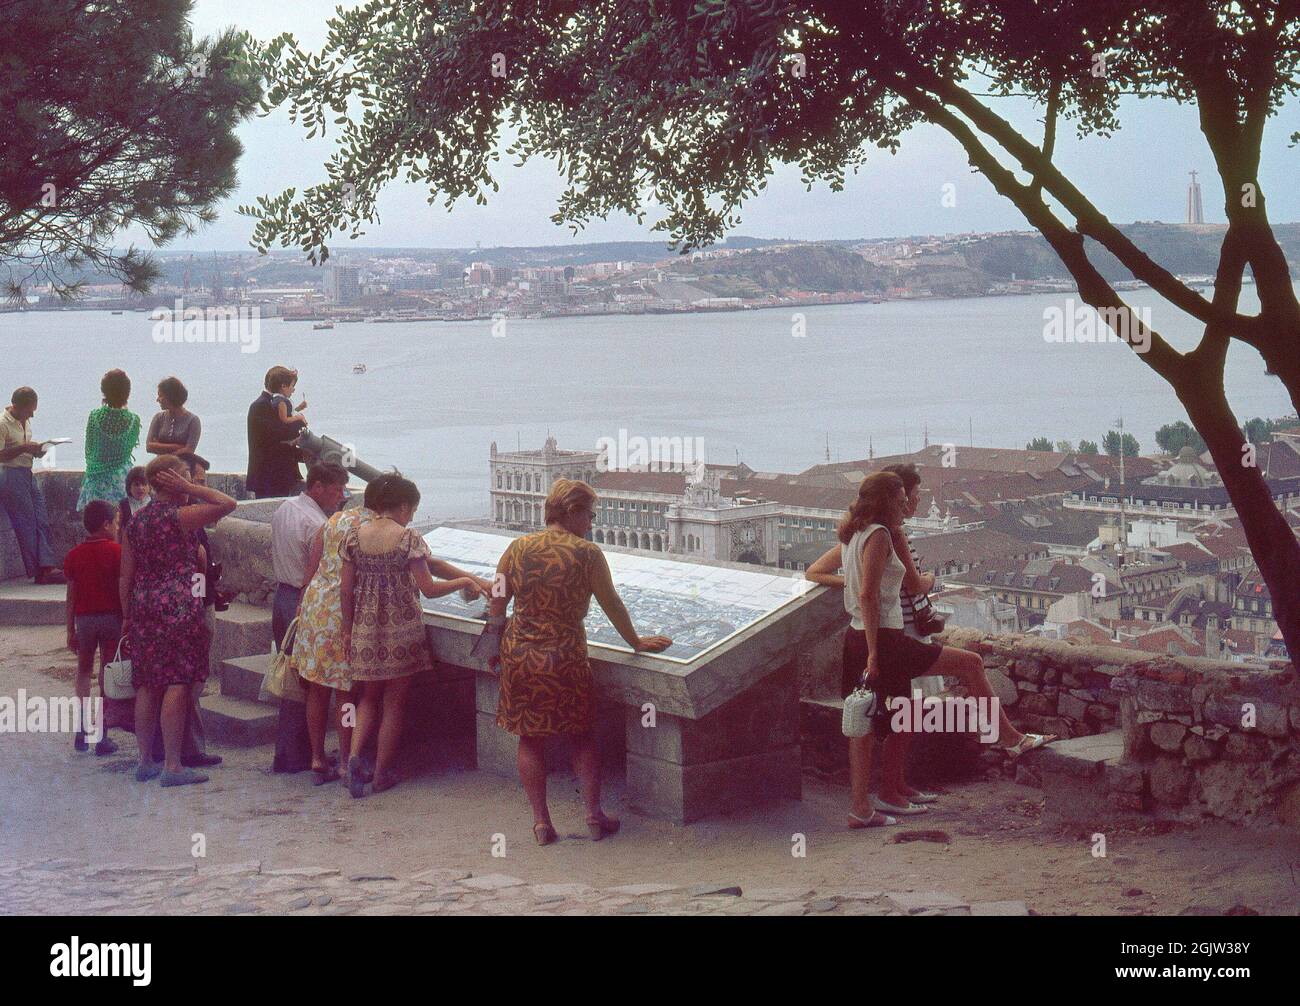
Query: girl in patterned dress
386, 566
546, 683
163, 613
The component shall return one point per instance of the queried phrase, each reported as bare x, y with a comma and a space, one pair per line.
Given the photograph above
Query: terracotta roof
806, 496
1253, 586
1044, 575
1159, 641
652, 482
974, 546
1191, 554
1084, 628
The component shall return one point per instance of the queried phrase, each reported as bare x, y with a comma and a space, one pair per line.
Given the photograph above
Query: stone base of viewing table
744, 752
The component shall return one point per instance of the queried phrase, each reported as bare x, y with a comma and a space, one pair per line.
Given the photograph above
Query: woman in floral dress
546, 683
386, 566
112, 434
318, 654
163, 612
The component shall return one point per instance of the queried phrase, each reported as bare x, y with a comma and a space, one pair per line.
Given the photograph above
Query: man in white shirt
19, 493
293, 526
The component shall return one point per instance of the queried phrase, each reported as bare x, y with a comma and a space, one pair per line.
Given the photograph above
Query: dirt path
55, 804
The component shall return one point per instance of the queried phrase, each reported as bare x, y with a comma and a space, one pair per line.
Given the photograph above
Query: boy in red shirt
94, 609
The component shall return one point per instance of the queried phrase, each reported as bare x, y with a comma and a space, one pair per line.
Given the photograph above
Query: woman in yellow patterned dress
317, 655
546, 683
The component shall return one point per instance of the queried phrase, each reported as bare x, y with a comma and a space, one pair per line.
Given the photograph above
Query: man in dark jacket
272, 458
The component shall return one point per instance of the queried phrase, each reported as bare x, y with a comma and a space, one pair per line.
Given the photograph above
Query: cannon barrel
327, 449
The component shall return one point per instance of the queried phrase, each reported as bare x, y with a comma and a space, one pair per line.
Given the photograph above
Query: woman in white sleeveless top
877, 647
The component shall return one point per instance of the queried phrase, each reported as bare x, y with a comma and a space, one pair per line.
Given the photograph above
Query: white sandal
906, 809
921, 796
1029, 742
876, 820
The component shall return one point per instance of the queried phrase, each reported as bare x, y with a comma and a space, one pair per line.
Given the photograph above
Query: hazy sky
1139, 174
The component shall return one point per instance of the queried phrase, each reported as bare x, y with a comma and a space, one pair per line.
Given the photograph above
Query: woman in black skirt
875, 645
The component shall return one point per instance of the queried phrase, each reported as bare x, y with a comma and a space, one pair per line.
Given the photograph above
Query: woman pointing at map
546, 682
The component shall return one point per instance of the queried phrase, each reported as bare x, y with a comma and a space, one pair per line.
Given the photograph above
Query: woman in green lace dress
112, 433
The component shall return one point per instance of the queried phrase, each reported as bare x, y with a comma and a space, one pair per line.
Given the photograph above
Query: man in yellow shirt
19, 494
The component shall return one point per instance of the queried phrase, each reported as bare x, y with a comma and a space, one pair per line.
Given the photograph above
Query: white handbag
116, 678
859, 708
281, 681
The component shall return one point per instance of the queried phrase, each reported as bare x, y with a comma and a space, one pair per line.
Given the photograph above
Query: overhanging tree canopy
687, 104
112, 114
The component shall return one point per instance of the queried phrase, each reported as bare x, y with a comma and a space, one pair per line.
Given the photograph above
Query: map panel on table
697, 606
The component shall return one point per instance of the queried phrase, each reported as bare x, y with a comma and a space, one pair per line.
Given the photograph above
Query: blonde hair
162, 463
566, 496
877, 493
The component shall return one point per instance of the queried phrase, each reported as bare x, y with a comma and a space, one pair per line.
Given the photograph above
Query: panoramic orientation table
709, 725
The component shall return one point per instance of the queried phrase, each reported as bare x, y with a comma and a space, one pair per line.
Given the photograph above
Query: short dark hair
908, 473
172, 390
391, 490
279, 376
24, 396
116, 388
194, 460
327, 472
97, 515
136, 475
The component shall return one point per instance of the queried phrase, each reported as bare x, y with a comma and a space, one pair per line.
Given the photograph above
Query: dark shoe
320, 776
200, 760
185, 777
356, 783
544, 833
79, 741
105, 747
144, 773
600, 827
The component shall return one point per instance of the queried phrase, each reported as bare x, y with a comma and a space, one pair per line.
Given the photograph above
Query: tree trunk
1273, 544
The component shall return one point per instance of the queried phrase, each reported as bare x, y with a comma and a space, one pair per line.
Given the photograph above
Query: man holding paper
19, 494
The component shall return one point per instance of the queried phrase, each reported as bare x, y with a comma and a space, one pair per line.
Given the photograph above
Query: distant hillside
814, 267
1183, 250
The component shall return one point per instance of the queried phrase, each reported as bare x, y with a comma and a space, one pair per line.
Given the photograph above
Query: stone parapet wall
61, 489
1201, 738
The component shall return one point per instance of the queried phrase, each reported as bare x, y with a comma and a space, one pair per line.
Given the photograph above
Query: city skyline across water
436, 395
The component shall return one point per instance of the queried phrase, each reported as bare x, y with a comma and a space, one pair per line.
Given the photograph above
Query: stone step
242, 630
1086, 780
238, 722
25, 603
241, 677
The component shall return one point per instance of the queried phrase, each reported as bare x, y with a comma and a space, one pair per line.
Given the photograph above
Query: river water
755, 385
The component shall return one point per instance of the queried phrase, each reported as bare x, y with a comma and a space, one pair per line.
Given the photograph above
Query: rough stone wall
1211, 742
1202, 738
61, 489
243, 547
1048, 685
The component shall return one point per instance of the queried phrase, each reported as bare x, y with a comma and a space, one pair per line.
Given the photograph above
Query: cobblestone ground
61, 887
79, 836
